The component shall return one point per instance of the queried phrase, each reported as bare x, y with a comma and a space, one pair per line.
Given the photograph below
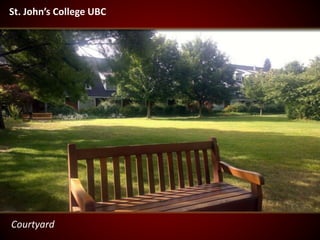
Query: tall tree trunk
2, 126
261, 109
148, 109
200, 108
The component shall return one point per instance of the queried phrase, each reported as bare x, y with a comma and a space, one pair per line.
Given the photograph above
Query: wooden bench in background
176, 177
41, 116
37, 116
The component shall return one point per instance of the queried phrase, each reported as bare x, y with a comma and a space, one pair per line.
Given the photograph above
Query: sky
252, 47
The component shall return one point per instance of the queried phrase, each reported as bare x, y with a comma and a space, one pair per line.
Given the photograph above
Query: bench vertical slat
171, 171
215, 157
206, 165
140, 175
180, 170
90, 177
189, 168
104, 179
161, 172
72, 171
150, 174
198, 168
128, 176
116, 175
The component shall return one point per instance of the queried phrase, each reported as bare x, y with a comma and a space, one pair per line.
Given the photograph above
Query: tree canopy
146, 72
267, 65
44, 63
295, 86
208, 76
146, 68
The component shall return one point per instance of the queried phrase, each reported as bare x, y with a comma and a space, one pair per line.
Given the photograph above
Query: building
96, 93
241, 71
100, 90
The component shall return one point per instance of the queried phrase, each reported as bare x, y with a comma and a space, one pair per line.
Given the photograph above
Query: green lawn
33, 172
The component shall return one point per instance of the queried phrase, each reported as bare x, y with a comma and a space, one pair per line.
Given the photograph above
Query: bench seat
208, 197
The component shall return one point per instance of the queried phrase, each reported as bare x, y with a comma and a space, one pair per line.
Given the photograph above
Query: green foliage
300, 92
236, 107
146, 73
63, 109
14, 111
133, 110
136, 42
161, 109
44, 63
207, 74
296, 88
274, 108
294, 67
110, 106
257, 88
253, 108
105, 109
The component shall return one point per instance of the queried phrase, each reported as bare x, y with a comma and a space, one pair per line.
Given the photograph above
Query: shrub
160, 109
274, 108
14, 111
109, 107
133, 110
181, 110
254, 109
236, 107
63, 109
103, 110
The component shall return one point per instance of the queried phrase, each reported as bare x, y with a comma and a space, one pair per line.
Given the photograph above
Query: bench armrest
84, 201
252, 177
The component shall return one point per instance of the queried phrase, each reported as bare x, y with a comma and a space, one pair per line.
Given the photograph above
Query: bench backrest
130, 170
42, 115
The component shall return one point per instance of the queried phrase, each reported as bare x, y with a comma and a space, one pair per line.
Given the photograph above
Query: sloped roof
97, 65
247, 68
98, 90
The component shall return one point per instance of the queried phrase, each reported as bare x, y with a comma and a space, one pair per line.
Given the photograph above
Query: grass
33, 171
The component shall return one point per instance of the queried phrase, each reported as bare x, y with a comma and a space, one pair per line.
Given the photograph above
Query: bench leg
257, 191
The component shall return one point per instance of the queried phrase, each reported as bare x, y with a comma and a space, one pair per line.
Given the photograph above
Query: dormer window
88, 87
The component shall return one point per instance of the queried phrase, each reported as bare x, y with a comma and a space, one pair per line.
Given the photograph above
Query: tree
256, 87
208, 76
128, 66
13, 94
294, 67
299, 89
310, 91
165, 68
267, 65
44, 63
291, 95
145, 72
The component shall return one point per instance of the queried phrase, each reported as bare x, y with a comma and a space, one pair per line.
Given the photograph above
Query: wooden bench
26, 117
175, 177
41, 116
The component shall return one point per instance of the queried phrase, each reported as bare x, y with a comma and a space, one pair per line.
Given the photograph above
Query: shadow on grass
34, 174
